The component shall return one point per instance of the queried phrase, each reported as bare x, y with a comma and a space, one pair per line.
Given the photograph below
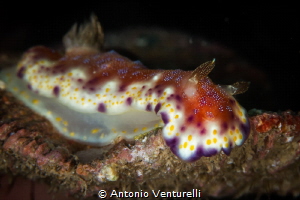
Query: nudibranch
95, 97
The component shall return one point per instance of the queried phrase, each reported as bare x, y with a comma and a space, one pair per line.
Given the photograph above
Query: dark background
266, 35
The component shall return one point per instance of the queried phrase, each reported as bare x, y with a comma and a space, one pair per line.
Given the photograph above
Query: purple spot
159, 93
182, 129
165, 117
56, 91
102, 107
79, 80
149, 107
231, 116
129, 101
190, 118
29, 86
178, 107
157, 107
231, 101
92, 89
122, 88
20, 72
203, 131
92, 81
224, 126
199, 124
143, 87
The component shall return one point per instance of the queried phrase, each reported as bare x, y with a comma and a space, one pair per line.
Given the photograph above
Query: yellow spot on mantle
208, 142
185, 145
172, 128
35, 101
215, 132
215, 140
96, 130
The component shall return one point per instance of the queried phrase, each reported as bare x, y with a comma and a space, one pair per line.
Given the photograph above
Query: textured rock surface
266, 163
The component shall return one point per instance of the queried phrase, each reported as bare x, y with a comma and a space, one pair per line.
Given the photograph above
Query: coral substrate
266, 163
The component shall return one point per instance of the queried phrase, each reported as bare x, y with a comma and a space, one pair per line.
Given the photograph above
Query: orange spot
176, 116
215, 132
215, 140
190, 137
192, 147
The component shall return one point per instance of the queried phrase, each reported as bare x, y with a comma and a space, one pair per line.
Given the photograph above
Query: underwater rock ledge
267, 163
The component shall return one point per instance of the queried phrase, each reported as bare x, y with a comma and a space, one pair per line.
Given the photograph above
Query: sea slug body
95, 97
